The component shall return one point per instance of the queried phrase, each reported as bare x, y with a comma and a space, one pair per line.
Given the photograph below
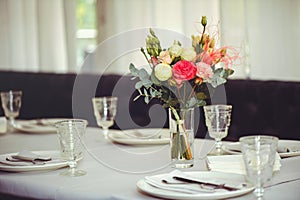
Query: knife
216, 186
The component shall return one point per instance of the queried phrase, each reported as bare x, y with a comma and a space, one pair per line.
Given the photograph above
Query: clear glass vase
181, 125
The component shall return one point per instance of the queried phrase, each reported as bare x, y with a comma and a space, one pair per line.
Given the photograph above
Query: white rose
163, 71
175, 50
188, 54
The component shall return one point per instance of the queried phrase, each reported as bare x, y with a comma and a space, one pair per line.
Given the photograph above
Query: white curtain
38, 35
117, 18
267, 32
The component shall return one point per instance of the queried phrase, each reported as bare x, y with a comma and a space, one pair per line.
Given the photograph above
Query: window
86, 28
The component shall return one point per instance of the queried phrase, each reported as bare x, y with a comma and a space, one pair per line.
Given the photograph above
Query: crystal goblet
11, 104
259, 156
217, 120
70, 135
105, 109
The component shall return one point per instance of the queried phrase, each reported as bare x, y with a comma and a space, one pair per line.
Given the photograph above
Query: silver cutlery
178, 183
39, 162
214, 185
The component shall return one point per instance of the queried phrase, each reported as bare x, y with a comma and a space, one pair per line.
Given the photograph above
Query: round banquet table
113, 169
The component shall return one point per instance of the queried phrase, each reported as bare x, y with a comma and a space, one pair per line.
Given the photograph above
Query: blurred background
58, 35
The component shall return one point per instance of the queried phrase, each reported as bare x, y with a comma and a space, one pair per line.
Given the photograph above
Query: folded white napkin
2, 125
233, 163
25, 158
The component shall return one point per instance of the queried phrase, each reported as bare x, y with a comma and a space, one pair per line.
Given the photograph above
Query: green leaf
200, 95
217, 80
133, 70
152, 92
192, 102
201, 103
143, 74
145, 92
138, 85
146, 83
146, 99
154, 79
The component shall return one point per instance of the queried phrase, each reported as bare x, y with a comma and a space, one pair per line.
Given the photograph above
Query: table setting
65, 158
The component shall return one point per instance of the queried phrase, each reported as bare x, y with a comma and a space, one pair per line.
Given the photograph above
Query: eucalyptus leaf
146, 83
143, 74
192, 102
146, 99
145, 92
201, 103
138, 85
152, 93
133, 70
217, 80
154, 79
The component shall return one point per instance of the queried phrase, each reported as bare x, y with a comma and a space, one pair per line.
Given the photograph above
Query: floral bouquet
180, 76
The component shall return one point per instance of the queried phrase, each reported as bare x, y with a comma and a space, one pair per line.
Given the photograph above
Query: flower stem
181, 140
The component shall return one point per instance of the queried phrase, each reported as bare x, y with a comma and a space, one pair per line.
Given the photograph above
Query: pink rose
183, 71
204, 70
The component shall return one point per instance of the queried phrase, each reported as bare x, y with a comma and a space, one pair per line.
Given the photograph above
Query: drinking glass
259, 156
11, 104
70, 135
217, 120
105, 109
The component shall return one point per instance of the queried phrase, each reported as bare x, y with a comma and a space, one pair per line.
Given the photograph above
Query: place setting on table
11, 104
105, 109
70, 137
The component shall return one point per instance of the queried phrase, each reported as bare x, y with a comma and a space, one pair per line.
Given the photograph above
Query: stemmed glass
259, 157
105, 109
70, 134
217, 119
11, 104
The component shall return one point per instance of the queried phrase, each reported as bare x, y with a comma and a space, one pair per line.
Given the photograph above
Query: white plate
219, 194
31, 126
141, 136
235, 148
50, 165
38, 125
51, 121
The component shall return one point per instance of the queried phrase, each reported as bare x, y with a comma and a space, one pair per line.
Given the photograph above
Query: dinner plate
293, 145
37, 125
56, 163
32, 126
51, 121
142, 185
141, 136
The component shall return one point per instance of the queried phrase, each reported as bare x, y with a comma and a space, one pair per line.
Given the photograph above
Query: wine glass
259, 157
217, 119
11, 104
70, 135
105, 109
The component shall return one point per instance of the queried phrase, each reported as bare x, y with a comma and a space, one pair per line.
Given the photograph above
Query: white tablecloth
113, 170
